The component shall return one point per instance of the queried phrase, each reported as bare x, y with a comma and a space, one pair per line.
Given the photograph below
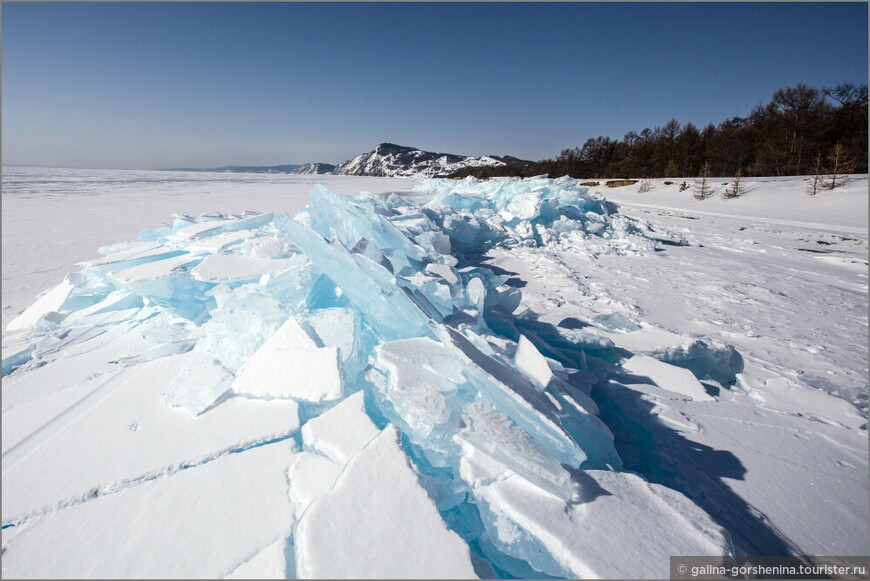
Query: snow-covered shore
689, 377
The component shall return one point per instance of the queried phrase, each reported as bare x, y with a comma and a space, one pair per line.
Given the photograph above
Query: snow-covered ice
396, 532
667, 376
291, 365
513, 378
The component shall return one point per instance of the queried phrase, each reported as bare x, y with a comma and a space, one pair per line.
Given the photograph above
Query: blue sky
154, 85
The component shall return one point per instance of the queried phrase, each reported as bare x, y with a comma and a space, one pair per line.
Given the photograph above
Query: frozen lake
552, 383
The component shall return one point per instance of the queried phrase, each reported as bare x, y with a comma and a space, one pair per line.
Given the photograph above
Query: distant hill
391, 160
288, 168
314, 169
385, 160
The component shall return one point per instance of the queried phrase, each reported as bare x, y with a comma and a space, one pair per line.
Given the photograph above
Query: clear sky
155, 85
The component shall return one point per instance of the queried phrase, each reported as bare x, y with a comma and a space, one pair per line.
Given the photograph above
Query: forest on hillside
803, 130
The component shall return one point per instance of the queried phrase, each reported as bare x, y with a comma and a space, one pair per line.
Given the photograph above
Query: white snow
202, 522
532, 363
645, 518
154, 404
393, 532
290, 365
270, 563
342, 431
330, 441
121, 416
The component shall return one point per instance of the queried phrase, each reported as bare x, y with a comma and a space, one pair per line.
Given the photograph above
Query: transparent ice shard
616, 322
487, 431
199, 384
248, 316
15, 354
373, 292
208, 228
338, 218
159, 279
340, 327
418, 378
514, 395
119, 300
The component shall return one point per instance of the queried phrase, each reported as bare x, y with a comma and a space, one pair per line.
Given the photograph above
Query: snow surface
439, 379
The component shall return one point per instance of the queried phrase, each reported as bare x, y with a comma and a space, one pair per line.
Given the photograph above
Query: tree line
802, 131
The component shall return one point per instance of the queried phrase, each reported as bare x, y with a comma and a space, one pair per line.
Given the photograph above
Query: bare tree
847, 93
702, 187
815, 182
798, 105
840, 165
735, 189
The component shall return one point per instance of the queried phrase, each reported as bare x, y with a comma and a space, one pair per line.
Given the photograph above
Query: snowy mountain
521, 378
390, 160
314, 169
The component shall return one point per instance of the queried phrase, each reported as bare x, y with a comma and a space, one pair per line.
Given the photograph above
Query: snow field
362, 363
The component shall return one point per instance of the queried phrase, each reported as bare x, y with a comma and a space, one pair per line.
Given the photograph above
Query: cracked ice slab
421, 375
132, 254
291, 365
214, 227
614, 505
514, 395
130, 433
53, 300
270, 563
337, 217
203, 522
330, 441
233, 267
395, 531
150, 271
488, 432
532, 363
668, 377
342, 431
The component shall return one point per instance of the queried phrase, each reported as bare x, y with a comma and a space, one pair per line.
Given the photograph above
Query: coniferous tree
735, 189
703, 188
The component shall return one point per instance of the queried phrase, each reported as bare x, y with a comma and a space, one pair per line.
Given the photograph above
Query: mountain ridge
391, 160
385, 160
284, 168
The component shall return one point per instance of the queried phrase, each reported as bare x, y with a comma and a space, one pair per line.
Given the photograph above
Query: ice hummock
372, 318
